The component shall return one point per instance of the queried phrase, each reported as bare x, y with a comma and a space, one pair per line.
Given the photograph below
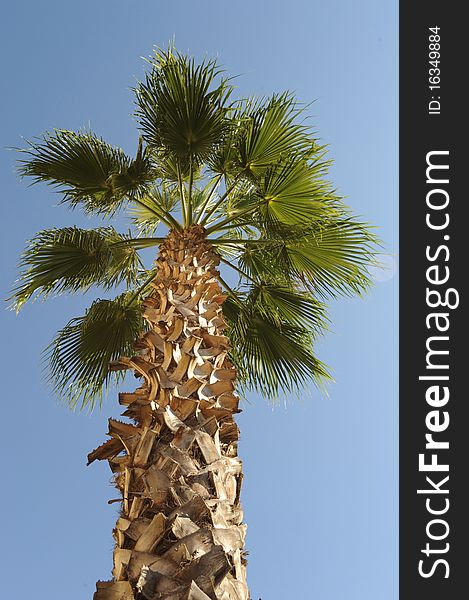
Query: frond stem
222, 198
229, 289
145, 284
229, 242
167, 219
209, 197
228, 221
240, 271
146, 241
183, 195
189, 194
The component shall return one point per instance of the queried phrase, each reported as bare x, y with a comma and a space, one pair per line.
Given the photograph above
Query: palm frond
269, 131
330, 258
335, 258
86, 169
237, 211
125, 264
224, 158
78, 358
138, 243
171, 168
73, 259
286, 305
271, 355
199, 199
181, 106
292, 192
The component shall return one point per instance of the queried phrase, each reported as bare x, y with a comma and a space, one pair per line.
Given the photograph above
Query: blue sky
320, 492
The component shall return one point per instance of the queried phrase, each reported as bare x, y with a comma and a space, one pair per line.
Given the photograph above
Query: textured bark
180, 534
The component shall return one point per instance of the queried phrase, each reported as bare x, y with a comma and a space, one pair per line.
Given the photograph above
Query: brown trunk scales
180, 534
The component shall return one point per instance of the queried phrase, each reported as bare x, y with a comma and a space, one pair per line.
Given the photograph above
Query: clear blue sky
320, 491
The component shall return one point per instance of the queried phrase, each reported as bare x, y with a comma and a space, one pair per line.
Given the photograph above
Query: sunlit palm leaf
330, 259
125, 263
224, 158
73, 259
171, 168
79, 356
269, 131
239, 207
293, 193
181, 106
199, 199
86, 169
271, 357
284, 305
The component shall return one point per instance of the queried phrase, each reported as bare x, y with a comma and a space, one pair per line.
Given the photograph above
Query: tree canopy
252, 173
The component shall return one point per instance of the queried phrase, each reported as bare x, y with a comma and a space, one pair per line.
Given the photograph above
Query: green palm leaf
224, 158
269, 132
292, 192
87, 170
284, 305
271, 355
330, 258
181, 107
73, 259
79, 356
171, 169
334, 260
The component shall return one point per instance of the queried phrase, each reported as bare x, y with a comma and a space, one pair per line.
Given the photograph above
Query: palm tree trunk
180, 534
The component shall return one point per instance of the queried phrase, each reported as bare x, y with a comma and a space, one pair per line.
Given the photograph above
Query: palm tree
215, 183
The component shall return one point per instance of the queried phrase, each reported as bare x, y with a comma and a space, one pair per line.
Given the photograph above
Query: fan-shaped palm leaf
73, 259
284, 305
86, 169
292, 193
181, 107
330, 258
269, 131
271, 356
80, 355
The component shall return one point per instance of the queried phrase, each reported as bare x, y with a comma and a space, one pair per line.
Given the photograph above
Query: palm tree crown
251, 174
